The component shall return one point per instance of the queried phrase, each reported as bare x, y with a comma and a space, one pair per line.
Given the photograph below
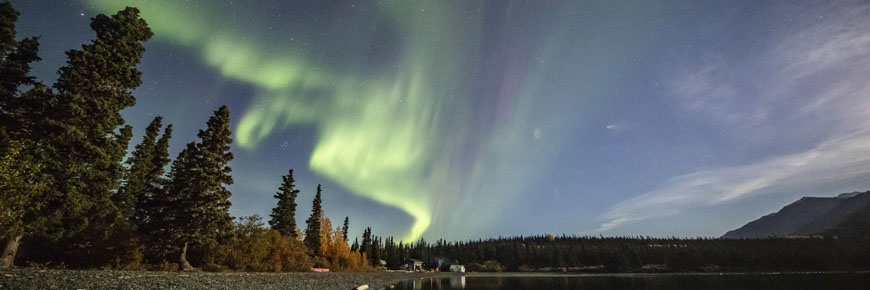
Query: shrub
491, 266
255, 248
287, 254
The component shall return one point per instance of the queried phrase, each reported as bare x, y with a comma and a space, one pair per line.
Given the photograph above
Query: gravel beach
103, 279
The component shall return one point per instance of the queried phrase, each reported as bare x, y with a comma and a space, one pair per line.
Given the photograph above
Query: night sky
473, 119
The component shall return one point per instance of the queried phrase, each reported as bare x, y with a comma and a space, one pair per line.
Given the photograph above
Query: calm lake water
683, 282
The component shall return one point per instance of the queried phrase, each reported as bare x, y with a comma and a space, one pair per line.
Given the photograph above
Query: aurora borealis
471, 119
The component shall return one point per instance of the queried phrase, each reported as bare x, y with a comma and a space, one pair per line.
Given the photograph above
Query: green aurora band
391, 134
376, 134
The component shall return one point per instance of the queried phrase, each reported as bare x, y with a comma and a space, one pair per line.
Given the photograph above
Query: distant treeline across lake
633, 254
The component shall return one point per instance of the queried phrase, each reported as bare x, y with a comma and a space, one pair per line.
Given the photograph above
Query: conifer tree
284, 214
355, 246
214, 157
21, 181
345, 227
161, 217
80, 137
150, 215
198, 212
375, 253
366, 245
312, 232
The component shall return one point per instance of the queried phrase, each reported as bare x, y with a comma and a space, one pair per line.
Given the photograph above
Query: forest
72, 197
548, 253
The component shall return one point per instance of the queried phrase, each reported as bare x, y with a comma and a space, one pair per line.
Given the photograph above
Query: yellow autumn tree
335, 250
325, 236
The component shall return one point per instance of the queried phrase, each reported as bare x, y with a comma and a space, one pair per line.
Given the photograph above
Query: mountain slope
809, 216
855, 225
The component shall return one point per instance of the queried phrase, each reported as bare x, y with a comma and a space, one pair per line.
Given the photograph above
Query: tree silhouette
284, 214
313, 231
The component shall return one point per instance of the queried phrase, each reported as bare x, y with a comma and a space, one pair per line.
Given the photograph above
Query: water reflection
455, 282
684, 282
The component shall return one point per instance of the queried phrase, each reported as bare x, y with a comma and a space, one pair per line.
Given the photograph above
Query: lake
838, 281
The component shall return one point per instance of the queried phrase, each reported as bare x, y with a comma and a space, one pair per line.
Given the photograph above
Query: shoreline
662, 274
27, 278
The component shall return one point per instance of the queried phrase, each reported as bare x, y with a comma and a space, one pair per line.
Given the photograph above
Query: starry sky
476, 119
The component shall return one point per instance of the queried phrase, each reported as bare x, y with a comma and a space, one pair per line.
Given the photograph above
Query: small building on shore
413, 265
457, 268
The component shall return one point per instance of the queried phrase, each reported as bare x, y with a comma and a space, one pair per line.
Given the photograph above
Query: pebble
24, 278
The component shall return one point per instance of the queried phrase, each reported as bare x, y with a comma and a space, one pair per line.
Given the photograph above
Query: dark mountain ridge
840, 215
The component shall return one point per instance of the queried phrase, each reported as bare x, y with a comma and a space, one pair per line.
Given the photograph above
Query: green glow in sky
388, 135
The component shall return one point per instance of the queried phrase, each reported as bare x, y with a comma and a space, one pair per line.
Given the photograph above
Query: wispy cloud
705, 91
838, 159
815, 80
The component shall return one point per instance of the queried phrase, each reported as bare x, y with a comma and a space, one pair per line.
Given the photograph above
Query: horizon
476, 120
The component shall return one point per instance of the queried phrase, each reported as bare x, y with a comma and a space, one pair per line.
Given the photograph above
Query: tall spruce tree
150, 215
21, 182
366, 245
161, 216
214, 157
198, 213
77, 133
345, 227
374, 254
314, 222
284, 214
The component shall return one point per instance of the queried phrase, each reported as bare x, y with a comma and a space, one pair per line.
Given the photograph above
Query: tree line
69, 199
549, 253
